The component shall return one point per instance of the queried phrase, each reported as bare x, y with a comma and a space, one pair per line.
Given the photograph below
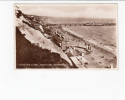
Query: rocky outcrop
33, 47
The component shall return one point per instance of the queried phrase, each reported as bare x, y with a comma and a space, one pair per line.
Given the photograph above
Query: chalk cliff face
34, 47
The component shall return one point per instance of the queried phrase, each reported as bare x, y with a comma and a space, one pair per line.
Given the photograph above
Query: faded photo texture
66, 35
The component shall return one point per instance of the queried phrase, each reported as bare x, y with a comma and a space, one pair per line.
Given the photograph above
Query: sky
71, 10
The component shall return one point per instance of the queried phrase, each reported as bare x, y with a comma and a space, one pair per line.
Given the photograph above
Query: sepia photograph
66, 35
